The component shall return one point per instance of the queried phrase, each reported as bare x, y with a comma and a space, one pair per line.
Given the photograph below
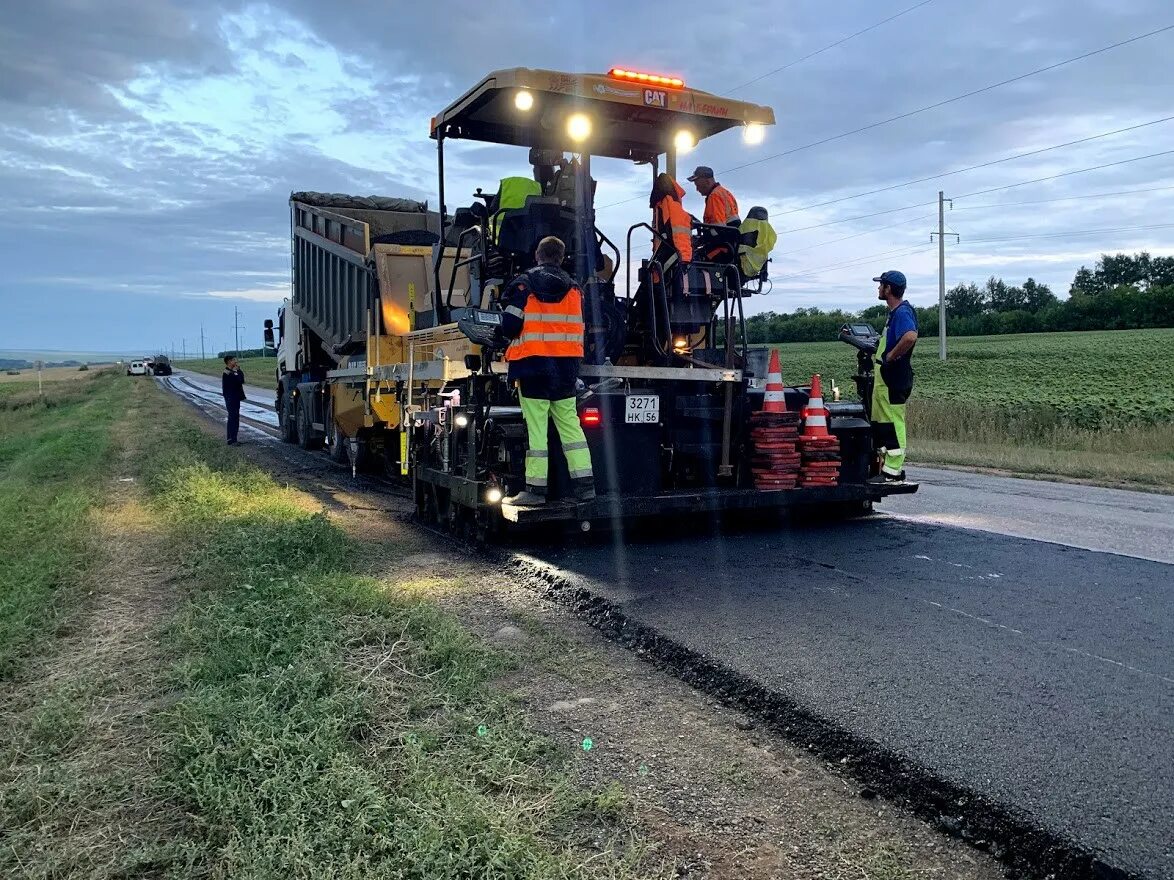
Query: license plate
642, 409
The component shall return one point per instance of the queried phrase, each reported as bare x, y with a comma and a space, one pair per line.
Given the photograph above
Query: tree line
1122, 292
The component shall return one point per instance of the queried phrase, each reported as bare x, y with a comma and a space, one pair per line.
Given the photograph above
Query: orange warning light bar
652, 79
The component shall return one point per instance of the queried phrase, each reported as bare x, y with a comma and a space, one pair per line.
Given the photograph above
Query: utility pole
203, 354
236, 327
183, 348
941, 234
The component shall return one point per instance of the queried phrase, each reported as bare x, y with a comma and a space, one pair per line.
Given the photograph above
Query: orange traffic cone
774, 401
815, 415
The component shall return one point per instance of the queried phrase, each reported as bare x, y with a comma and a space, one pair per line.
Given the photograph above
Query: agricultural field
1093, 405
258, 371
1110, 378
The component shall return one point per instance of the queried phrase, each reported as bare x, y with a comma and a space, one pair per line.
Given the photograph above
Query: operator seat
757, 241
717, 244
520, 229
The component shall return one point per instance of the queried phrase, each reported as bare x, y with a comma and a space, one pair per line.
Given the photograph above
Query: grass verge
55, 453
258, 371
329, 726
1037, 442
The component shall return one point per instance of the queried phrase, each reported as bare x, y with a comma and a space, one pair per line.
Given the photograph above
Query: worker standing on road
892, 388
544, 318
720, 205
232, 386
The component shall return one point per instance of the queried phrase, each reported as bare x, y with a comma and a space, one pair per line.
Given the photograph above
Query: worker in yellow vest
544, 318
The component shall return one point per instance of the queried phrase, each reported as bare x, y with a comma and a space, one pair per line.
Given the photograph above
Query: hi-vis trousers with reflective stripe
888, 421
537, 414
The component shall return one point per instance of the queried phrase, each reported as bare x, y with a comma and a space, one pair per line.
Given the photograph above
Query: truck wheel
285, 424
337, 445
306, 438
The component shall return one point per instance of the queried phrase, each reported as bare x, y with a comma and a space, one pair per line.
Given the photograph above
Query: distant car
136, 368
161, 366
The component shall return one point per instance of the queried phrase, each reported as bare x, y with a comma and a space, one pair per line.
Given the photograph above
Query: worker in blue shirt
895, 384
232, 386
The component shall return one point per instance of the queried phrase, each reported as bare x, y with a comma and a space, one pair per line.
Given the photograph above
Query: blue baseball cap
893, 277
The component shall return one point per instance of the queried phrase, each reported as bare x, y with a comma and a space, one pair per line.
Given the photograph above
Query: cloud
148, 147
269, 294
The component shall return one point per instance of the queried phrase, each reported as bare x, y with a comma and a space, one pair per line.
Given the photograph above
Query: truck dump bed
332, 236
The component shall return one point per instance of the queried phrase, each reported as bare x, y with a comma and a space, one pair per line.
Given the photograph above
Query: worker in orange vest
671, 222
721, 208
543, 315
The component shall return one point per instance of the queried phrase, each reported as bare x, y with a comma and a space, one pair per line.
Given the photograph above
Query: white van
136, 368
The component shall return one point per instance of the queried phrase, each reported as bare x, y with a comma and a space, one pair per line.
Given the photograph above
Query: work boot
525, 498
585, 489
882, 478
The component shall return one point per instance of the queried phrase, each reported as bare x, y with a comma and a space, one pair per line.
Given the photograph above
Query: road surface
970, 629
1113, 520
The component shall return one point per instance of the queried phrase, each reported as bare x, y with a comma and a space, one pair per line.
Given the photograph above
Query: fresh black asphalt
1035, 674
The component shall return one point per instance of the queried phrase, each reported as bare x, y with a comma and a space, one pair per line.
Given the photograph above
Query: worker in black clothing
232, 386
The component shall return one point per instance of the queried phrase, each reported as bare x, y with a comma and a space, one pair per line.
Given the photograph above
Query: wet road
1037, 674
1001, 656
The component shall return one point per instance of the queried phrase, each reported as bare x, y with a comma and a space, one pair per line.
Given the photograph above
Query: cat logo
655, 98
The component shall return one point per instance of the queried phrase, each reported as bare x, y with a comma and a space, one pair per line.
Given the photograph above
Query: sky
148, 147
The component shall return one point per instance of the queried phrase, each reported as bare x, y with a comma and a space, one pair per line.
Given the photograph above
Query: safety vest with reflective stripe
512, 193
549, 329
673, 221
720, 206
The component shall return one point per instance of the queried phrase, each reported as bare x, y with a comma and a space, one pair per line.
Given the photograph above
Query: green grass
1095, 405
298, 719
258, 371
329, 727
55, 454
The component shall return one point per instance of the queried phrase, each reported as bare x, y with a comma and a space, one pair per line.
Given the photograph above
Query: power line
839, 42
977, 193
858, 217
933, 106
856, 235
961, 97
1072, 233
854, 262
1124, 192
882, 189
982, 192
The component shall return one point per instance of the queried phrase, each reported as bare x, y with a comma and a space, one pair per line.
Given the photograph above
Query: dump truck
389, 349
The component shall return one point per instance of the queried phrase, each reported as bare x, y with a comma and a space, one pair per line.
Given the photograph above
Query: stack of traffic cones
774, 433
820, 451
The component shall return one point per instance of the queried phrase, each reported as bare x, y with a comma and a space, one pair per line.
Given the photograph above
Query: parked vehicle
136, 368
